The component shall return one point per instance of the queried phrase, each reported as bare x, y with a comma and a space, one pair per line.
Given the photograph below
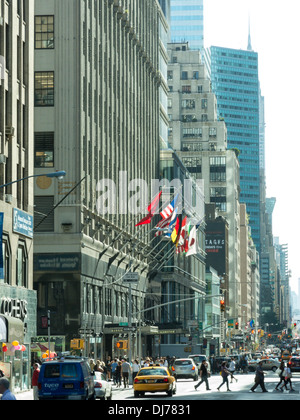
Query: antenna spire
249, 48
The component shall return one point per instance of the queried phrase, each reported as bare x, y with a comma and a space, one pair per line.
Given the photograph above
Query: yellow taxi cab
154, 379
286, 355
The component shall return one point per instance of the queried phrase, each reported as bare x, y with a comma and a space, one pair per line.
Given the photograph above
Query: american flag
166, 213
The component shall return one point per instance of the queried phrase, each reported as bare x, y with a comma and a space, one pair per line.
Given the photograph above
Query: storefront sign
14, 308
23, 223
57, 262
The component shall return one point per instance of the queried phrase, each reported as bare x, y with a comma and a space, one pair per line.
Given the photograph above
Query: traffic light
236, 325
122, 344
222, 305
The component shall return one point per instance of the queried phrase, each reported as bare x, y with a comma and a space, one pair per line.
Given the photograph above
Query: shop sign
23, 223
14, 308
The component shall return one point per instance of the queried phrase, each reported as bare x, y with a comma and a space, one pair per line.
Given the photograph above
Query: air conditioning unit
9, 131
2, 159
8, 198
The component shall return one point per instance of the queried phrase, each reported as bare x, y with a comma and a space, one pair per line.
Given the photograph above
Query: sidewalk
28, 395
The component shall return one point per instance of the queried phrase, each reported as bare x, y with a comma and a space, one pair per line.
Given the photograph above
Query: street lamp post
58, 174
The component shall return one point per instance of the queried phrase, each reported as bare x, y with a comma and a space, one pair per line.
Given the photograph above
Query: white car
185, 368
103, 388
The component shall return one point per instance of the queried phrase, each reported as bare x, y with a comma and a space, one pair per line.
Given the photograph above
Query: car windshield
156, 372
183, 362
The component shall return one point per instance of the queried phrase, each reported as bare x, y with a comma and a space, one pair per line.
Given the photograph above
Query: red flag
152, 209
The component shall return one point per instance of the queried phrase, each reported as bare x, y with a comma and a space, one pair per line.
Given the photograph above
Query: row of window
20, 260
185, 75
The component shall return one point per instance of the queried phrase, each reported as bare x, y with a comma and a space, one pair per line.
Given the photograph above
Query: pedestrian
126, 370
118, 374
224, 373
204, 374
232, 369
34, 381
287, 374
135, 369
259, 378
7, 395
113, 369
281, 375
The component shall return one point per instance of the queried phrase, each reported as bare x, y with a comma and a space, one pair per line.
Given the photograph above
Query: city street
186, 391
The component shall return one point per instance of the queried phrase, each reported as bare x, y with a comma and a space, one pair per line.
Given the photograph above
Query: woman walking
224, 373
281, 375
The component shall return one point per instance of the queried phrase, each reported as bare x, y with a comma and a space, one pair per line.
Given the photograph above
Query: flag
172, 223
175, 232
169, 209
162, 226
152, 209
183, 237
192, 246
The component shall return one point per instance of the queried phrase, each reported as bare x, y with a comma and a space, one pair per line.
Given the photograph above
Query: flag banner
1, 247
172, 223
166, 213
192, 247
175, 233
162, 226
182, 242
152, 209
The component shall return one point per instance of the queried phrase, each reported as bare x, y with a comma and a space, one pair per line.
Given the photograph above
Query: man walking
34, 381
126, 371
259, 378
204, 374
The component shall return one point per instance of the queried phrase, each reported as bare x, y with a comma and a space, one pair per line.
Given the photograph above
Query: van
66, 379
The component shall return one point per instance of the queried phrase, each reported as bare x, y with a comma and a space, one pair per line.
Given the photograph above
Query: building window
44, 150
44, 88
43, 219
21, 266
44, 32
188, 104
5, 270
184, 75
186, 89
218, 169
218, 196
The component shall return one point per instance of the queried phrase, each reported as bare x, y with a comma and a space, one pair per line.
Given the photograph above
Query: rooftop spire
249, 48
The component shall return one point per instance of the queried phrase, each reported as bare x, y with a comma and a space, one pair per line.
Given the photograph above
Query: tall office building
234, 76
187, 22
17, 298
97, 106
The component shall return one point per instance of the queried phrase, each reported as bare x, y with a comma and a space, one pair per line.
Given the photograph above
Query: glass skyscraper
187, 22
234, 76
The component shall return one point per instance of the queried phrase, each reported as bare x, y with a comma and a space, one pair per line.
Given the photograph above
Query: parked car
103, 388
66, 379
154, 379
268, 364
294, 364
185, 368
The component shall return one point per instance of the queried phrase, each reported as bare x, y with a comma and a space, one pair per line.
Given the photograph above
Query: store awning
15, 329
3, 330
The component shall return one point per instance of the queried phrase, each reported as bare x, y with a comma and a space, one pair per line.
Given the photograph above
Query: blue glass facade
187, 22
234, 75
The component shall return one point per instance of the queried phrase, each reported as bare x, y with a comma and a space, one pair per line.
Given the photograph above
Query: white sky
275, 34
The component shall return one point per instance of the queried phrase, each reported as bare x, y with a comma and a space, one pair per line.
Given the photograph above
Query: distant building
187, 23
234, 77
